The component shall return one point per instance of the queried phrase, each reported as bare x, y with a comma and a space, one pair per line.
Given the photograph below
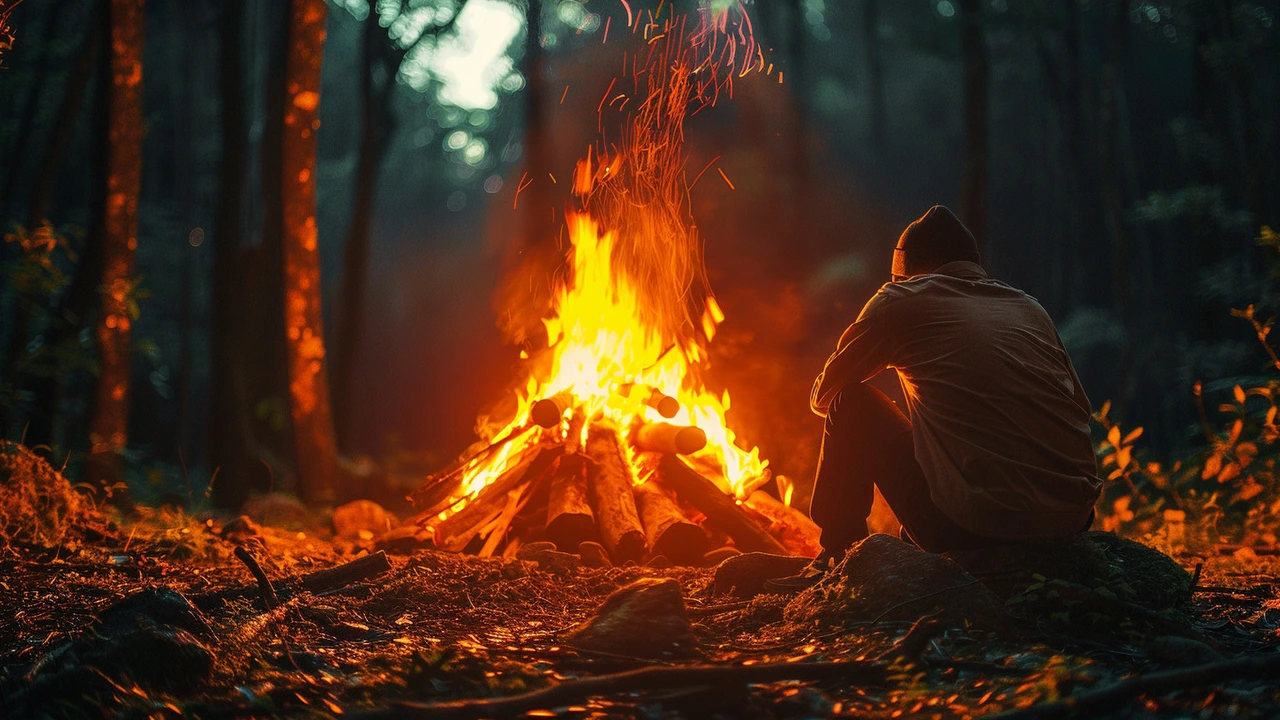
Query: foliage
1225, 492
38, 279
7, 35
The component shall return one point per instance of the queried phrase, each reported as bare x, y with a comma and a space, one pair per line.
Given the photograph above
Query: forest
453, 358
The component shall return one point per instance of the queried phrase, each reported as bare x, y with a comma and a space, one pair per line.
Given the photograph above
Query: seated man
997, 448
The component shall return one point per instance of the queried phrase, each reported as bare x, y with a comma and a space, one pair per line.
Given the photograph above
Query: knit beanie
936, 239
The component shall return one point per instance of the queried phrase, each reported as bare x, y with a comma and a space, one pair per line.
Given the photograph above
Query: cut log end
668, 438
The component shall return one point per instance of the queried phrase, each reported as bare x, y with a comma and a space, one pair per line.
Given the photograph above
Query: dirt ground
439, 627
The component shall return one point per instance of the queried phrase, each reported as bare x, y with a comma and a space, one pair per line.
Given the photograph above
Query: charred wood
722, 510
454, 532
667, 530
570, 520
347, 573
609, 484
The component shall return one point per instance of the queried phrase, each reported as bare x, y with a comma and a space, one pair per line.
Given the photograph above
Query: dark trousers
867, 442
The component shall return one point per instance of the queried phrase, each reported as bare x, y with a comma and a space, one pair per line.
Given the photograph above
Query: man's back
999, 419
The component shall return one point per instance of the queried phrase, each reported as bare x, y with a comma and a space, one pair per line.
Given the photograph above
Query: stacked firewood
634, 491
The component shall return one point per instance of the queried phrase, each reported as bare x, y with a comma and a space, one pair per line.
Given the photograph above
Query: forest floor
159, 617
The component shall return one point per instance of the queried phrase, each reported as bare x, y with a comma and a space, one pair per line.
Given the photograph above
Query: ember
614, 408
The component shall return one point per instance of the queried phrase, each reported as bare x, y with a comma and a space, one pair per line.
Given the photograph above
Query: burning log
610, 488
454, 532
570, 520
668, 531
666, 405
721, 509
668, 438
799, 534
548, 412
434, 495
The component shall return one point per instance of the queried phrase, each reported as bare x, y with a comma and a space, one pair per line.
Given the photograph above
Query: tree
229, 424
382, 58
308, 377
108, 427
973, 183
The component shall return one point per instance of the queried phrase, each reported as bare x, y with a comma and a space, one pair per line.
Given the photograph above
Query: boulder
278, 510
1131, 571
884, 578
745, 575
594, 555
361, 519
644, 619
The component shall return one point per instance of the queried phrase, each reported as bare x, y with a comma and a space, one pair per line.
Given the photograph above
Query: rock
1132, 571
744, 575
361, 519
719, 555
158, 606
548, 558
659, 562
403, 540
278, 510
242, 528
1175, 652
644, 619
156, 658
594, 555
884, 578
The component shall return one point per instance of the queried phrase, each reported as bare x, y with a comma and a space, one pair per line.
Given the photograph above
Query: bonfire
614, 433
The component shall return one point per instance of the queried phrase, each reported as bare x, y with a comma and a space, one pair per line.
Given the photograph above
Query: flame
633, 312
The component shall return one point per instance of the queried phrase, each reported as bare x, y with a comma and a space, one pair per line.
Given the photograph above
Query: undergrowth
1227, 492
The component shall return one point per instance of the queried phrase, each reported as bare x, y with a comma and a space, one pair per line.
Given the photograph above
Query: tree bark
228, 420
308, 377
973, 183
610, 484
108, 429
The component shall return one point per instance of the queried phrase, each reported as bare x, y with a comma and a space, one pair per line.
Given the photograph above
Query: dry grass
38, 506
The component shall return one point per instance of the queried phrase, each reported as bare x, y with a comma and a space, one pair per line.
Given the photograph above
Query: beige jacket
999, 419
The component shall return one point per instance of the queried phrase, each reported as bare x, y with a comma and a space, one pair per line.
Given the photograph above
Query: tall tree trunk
973, 182
229, 430
308, 378
1111, 88
875, 72
536, 200
377, 126
108, 429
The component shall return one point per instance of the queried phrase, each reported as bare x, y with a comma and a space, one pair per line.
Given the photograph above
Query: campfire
615, 438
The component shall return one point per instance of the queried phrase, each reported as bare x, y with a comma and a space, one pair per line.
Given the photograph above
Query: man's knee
865, 407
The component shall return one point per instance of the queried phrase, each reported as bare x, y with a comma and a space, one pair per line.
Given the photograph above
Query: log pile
630, 490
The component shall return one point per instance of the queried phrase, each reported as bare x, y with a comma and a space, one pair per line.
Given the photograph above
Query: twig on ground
644, 679
916, 639
1115, 696
264, 583
345, 574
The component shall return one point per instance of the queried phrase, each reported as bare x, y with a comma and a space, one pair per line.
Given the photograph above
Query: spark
564, 94
520, 186
726, 179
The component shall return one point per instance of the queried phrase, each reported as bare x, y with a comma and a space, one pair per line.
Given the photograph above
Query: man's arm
863, 351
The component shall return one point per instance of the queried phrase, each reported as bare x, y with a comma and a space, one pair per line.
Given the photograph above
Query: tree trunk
1113, 201
973, 183
377, 126
228, 419
108, 429
308, 377
798, 78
